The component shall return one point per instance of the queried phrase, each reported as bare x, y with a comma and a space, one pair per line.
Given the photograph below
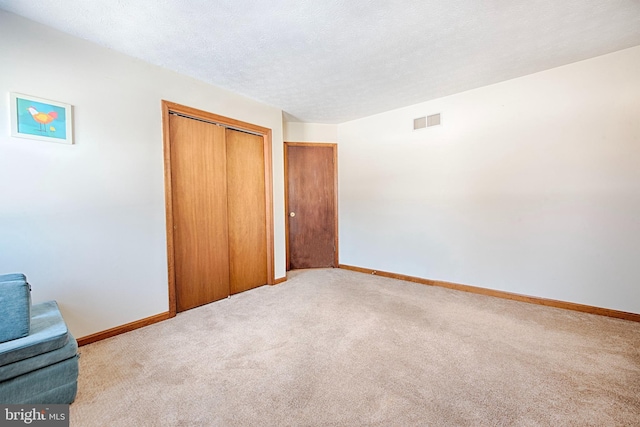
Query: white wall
529, 186
310, 132
86, 222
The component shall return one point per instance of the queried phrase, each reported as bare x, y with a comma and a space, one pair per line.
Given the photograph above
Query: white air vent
433, 120
419, 123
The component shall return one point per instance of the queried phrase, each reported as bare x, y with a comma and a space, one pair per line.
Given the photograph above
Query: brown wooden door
312, 205
199, 200
246, 211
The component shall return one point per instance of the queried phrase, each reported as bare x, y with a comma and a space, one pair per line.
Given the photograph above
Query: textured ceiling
330, 61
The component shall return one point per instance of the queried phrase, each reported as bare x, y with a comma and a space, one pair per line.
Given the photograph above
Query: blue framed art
41, 119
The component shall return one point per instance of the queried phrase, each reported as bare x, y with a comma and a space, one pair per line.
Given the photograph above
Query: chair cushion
12, 277
15, 307
12, 370
48, 332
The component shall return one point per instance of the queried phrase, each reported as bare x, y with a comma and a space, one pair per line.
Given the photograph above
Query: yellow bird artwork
43, 119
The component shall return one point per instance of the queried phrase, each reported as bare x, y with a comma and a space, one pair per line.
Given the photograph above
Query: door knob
292, 214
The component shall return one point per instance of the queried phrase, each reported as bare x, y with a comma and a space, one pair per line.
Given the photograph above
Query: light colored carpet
332, 347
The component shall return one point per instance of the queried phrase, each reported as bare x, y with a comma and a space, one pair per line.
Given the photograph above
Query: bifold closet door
199, 203
246, 207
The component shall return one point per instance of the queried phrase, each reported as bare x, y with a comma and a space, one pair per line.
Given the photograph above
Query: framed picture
41, 119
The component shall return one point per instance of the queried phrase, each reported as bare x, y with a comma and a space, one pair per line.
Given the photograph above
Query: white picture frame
40, 119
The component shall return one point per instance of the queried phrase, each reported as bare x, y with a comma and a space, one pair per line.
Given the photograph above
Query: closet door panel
199, 197
246, 207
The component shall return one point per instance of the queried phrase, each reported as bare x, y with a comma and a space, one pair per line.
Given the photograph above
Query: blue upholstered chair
38, 355
15, 306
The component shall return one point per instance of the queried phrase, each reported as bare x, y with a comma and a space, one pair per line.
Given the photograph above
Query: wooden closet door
246, 206
199, 197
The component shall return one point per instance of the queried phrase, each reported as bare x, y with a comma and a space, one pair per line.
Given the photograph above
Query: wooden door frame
334, 146
167, 108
